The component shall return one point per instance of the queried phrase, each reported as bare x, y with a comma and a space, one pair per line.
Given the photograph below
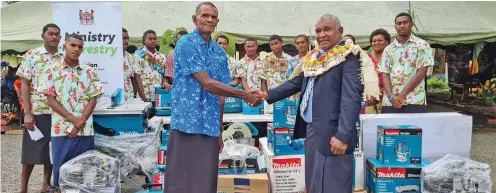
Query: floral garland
314, 65
271, 61
157, 65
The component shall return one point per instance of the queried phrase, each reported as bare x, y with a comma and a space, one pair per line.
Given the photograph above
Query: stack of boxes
280, 132
398, 161
158, 175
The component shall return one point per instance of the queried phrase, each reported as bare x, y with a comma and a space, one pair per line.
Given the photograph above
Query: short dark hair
45, 28
382, 32
223, 37
197, 11
124, 30
304, 37
251, 40
351, 36
182, 32
75, 36
275, 37
403, 14
146, 34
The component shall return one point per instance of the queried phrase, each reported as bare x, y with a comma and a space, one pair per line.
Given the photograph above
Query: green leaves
168, 38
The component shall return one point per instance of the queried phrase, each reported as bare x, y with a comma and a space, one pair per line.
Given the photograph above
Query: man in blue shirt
201, 75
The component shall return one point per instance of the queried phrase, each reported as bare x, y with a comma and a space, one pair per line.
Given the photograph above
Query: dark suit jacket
337, 95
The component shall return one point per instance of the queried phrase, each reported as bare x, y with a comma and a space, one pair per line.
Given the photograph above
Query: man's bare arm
26, 95
244, 83
89, 108
265, 87
58, 108
386, 82
139, 84
414, 82
217, 88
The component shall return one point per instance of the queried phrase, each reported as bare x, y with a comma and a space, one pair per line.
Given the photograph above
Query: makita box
162, 155
165, 137
230, 166
285, 113
233, 105
385, 178
158, 177
257, 110
163, 102
399, 144
280, 141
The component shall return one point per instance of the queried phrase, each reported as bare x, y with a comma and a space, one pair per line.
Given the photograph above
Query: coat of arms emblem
86, 17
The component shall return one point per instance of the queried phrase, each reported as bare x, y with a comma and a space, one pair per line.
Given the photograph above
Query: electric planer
120, 118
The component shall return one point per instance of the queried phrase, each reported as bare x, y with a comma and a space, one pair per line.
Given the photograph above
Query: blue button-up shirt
195, 110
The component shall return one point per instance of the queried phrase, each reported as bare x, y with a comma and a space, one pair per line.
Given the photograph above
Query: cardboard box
162, 156
257, 110
449, 133
393, 178
280, 141
246, 183
286, 173
163, 102
268, 109
285, 113
399, 144
230, 166
358, 169
233, 105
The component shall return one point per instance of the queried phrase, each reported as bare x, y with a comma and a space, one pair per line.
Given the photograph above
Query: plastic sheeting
135, 152
238, 152
91, 172
454, 173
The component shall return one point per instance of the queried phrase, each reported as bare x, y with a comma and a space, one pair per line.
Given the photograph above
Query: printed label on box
285, 113
393, 178
281, 142
399, 144
288, 175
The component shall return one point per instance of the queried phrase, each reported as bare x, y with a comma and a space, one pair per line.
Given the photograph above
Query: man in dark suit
329, 108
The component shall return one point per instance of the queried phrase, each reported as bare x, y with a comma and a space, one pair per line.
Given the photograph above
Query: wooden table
465, 88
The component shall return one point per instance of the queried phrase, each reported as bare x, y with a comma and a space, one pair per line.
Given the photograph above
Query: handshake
254, 97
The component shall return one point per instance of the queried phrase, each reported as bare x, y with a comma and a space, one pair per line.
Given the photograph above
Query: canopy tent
444, 23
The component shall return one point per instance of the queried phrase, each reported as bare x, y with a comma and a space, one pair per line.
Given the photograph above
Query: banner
100, 26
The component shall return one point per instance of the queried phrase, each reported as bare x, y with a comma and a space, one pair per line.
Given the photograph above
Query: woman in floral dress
379, 39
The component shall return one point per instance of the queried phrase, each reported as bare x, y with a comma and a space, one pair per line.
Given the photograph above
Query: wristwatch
391, 98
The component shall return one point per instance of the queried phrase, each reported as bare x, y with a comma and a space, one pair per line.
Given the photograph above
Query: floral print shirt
234, 67
33, 64
275, 78
129, 69
72, 87
169, 65
253, 70
194, 110
401, 63
293, 63
150, 78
